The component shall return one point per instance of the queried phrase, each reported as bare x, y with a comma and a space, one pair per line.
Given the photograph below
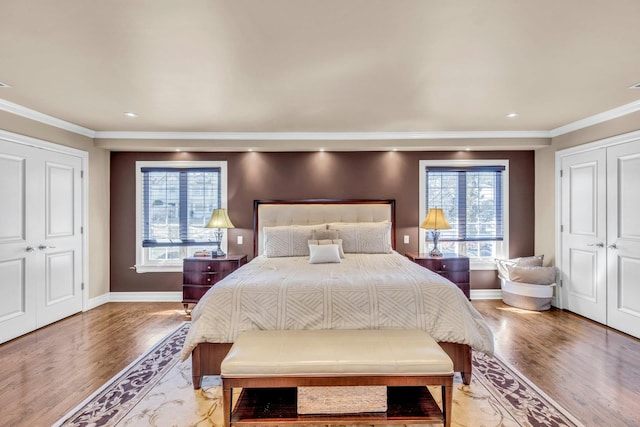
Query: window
473, 196
174, 203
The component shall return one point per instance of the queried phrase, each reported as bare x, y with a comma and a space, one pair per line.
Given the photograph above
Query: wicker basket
526, 295
341, 400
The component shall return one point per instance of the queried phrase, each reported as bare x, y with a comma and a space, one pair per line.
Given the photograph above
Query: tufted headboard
268, 213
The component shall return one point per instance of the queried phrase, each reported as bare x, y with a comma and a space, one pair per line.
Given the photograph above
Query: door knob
29, 249
600, 245
613, 246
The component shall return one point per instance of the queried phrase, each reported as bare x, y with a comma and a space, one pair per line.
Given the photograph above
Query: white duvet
364, 291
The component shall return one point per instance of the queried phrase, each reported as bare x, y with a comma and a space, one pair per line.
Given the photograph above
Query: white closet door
60, 246
623, 182
584, 257
40, 240
17, 258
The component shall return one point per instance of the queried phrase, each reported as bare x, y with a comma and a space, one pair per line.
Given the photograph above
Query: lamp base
218, 254
436, 238
435, 252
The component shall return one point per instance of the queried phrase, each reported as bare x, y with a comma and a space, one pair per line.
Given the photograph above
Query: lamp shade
219, 219
435, 220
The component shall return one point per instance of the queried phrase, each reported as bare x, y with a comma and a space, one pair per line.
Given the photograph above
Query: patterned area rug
156, 390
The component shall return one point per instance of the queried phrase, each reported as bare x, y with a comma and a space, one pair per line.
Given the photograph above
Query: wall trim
486, 294
596, 119
320, 136
145, 296
37, 116
97, 301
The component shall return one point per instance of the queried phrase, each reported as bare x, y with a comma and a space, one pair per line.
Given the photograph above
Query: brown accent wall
304, 175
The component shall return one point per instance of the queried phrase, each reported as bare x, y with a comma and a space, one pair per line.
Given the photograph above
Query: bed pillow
329, 242
533, 275
364, 237
288, 240
323, 234
324, 254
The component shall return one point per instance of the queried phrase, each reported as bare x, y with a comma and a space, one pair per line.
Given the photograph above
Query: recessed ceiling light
635, 86
321, 150
178, 150
512, 115
130, 114
4, 85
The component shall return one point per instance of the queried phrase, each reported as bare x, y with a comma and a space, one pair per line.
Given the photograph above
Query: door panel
623, 176
12, 170
59, 277
583, 269
583, 237
60, 200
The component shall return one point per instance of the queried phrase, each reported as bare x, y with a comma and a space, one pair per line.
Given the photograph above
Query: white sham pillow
364, 237
329, 242
324, 254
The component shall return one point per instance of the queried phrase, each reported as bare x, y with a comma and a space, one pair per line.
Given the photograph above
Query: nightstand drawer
200, 274
453, 267
455, 276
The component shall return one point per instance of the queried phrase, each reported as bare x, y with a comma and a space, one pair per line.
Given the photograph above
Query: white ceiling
320, 65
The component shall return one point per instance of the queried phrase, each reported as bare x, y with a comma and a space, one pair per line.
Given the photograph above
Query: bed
368, 286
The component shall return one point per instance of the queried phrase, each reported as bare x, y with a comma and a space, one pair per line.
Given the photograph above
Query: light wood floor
593, 371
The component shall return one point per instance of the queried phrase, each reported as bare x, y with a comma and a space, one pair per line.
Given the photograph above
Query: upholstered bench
270, 365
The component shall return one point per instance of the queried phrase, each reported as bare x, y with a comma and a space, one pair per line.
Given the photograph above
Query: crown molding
37, 116
320, 136
19, 110
597, 119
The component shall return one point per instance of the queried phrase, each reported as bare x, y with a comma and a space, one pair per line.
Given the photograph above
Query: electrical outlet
406, 239
239, 240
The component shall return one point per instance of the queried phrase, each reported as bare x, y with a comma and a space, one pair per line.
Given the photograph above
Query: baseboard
486, 294
145, 296
97, 301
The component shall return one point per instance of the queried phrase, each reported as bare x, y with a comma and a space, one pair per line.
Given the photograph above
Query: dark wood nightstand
201, 273
453, 267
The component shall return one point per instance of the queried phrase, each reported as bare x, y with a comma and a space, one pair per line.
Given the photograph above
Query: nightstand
453, 267
199, 274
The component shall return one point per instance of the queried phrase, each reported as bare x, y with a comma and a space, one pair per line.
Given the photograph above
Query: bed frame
206, 357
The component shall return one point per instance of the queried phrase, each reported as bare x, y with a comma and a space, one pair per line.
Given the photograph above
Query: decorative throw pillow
329, 242
323, 254
364, 237
288, 240
533, 275
530, 261
502, 265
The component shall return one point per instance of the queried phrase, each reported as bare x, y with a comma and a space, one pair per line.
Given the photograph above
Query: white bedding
364, 291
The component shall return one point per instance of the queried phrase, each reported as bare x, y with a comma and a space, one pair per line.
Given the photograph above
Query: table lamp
435, 221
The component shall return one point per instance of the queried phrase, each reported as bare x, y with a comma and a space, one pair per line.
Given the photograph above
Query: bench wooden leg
447, 404
226, 404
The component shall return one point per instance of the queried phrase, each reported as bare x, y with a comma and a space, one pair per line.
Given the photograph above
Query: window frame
503, 250
143, 264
